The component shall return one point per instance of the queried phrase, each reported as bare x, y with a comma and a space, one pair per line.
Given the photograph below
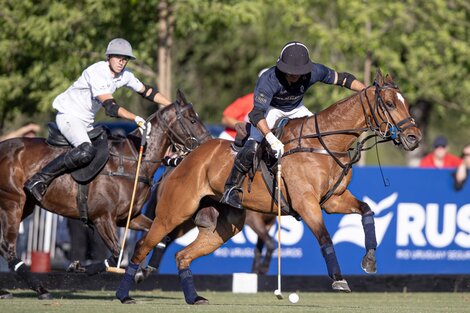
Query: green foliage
219, 47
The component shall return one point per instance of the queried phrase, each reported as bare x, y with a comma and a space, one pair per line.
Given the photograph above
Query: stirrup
36, 188
228, 197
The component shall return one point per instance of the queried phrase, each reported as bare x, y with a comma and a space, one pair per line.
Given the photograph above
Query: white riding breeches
273, 114
73, 128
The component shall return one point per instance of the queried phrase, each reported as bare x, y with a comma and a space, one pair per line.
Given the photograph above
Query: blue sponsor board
422, 227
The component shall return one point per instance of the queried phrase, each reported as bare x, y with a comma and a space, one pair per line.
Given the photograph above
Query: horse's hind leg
261, 227
214, 230
9, 228
314, 220
347, 204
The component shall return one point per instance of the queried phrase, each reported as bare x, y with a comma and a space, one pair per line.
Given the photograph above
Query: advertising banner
422, 227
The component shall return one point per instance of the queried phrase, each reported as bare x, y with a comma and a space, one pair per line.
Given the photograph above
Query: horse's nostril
411, 138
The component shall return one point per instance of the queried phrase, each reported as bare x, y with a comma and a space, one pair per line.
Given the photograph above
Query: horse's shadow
84, 295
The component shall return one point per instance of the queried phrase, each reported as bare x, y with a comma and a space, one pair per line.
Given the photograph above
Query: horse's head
181, 124
390, 115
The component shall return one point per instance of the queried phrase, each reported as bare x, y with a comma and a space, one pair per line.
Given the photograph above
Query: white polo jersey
80, 98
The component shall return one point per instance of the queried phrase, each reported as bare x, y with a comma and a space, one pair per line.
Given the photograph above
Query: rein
392, 131
190, 142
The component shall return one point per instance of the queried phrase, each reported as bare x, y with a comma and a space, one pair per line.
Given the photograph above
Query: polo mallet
278, 292
118, 268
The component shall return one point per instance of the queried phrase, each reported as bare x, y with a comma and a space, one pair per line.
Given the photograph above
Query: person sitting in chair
78, 105
278, 93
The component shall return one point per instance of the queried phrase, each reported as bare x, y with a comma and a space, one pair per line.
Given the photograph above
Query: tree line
213, 50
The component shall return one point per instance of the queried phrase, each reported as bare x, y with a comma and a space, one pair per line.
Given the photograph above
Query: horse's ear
180, 97
379, 78
389, 79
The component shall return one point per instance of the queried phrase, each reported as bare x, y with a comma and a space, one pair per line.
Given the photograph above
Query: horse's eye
193, 121
390, 104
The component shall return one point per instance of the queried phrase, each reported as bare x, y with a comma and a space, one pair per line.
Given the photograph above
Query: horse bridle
392, 129
191, 141
392, 132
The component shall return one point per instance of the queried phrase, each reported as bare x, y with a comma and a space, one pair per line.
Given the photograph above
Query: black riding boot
74, 159
37, 185
242, 164
233, 191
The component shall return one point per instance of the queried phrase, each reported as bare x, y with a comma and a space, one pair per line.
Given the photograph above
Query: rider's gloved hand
142, 125
276, 145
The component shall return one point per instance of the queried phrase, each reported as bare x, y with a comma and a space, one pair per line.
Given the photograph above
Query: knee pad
80, 156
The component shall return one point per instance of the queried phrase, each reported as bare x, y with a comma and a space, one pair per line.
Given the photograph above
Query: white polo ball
293, 297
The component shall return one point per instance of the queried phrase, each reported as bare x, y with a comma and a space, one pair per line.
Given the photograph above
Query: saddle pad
87, 173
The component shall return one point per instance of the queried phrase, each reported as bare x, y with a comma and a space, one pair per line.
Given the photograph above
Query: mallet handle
141, 151
279, 175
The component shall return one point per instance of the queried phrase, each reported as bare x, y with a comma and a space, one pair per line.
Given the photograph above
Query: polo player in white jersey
77, 107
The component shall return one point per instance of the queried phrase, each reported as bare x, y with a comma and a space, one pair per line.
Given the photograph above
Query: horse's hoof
200, 301
45, 296
341, 285
75, 267
368, 263
143, 273
128, 300
5, 295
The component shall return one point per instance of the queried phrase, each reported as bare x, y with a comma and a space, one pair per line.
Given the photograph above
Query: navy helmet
294, 59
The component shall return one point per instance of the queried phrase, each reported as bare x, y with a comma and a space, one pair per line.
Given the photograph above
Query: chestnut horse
260, 223
316, 173
109, 193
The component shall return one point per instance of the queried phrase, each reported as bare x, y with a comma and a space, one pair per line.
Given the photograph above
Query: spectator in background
461, 174
237, 112
27, 130
440, 157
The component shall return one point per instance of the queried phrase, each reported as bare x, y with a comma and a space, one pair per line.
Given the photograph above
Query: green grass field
158, 301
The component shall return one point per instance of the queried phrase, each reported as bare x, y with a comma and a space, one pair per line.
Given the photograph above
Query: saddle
84, 175
99, 139
265, 162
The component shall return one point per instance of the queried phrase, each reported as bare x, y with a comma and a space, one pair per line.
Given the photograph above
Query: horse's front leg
347, 204
314, 220
108, 232
214, 230
140, 222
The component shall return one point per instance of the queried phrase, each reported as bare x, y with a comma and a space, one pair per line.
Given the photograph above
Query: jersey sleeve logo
261, 98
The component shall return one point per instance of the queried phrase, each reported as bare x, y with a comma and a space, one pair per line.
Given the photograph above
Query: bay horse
316, 172
109, 193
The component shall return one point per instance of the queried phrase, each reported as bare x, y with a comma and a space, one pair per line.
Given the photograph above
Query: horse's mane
339, 102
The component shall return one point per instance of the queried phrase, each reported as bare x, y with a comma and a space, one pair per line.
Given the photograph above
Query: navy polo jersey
273, 90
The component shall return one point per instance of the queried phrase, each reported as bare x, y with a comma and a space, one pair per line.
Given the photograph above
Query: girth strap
141, 179
82, 198
271, 185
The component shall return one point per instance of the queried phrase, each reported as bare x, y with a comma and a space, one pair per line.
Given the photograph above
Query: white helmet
119, 46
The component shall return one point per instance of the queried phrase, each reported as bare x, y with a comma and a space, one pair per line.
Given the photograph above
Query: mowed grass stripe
172, 302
